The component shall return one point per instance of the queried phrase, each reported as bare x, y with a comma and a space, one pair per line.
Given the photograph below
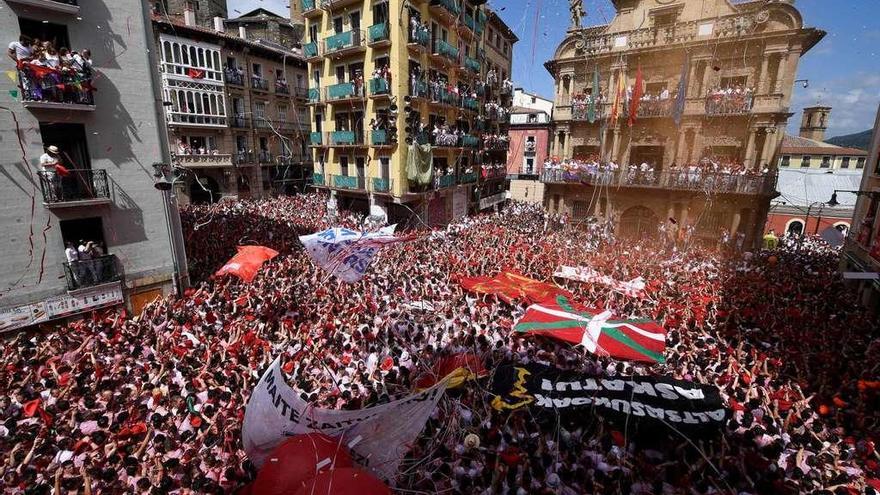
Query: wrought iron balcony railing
714, 182
89, 273
76, 185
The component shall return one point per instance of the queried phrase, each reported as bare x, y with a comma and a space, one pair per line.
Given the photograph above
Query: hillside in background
860, 140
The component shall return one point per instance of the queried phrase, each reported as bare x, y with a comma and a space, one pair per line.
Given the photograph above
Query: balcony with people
312, 51
345, 42
234, 76
347, 91
493, 170
657, 104
192, 157
52, 77
281, 86
729, 100
382, 132
380, 82
88, 265
586, 107
496, 142
496, 112
67, 180
419, 34
344, 138
442, 93
708, 175
259, 83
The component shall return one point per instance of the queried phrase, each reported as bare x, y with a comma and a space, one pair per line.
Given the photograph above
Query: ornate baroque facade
751, 48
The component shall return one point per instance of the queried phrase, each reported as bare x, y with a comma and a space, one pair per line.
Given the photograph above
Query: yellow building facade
371, 67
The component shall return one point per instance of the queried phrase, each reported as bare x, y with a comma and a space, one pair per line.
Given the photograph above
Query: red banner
247, 262
510, 286
195, 73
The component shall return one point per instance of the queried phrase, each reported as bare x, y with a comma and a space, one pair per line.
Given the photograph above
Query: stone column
680, 147
767, 149
683, 218
763, 86
707, 71
750, 149
615, 145
780, 72
734, 226
567, 146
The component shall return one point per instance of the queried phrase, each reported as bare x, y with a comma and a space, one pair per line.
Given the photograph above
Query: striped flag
631, 340
681, 94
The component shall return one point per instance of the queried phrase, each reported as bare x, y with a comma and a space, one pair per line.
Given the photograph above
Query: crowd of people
493, 170
708, 173
153, 402
732, 98
50, 73
383, 77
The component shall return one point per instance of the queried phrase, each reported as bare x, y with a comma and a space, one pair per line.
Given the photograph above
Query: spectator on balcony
358, 83
22, 49
507, 86
491, 77
49, 162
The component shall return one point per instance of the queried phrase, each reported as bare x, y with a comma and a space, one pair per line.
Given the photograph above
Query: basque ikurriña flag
631, 340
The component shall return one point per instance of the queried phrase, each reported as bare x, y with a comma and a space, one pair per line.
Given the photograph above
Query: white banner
347, 253
633, 288
23, 316
378, 437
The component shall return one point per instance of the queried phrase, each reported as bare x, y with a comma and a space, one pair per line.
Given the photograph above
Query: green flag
591, 110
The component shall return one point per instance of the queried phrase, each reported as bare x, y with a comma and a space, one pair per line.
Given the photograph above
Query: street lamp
807, 221
164, 186
833, 201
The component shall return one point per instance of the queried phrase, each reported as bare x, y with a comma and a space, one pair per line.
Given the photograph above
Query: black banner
681, 404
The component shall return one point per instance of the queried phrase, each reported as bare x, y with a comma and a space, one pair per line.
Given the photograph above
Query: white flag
632, 288
347, 253
377, 437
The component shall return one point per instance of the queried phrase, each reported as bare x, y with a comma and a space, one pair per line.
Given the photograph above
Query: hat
53, 149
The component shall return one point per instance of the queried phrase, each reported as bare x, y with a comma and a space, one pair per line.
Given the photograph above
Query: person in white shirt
21, 49
48, 162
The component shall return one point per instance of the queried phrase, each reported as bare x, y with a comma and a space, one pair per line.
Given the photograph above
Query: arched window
206, 104
193, 57
191, 106
794, 227
177, 58
166, 53
201, 57
843, 227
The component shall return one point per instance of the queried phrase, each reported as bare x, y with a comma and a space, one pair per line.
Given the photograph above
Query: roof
797, 145
259, 15
505, 29
536, 95
525, 110
801, 188
267, 46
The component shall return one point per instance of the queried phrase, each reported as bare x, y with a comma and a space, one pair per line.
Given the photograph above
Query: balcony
419, 89
242, 158
281, 88
381, 185
382, 138
59, 6
471, 64
204, 161
444, 53
318, 179
344, 43
90, 273
495, 143
265, 157
728, 104
446, 10
440, 96
444, 181
344, 92
314, 97
259, 84
316, 139
467, 28
655, 108
233, 77
310, 8
239, 122
45, 88
470, 104
347, 182
419, 40
467, 178
312, 52
343, 139
81, 187
301, 92
379, 87
468, 141
681, 180
444, 140
379, 35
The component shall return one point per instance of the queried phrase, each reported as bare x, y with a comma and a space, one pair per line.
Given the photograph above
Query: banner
633, 288
247, 262
632, 340
649, 399
347, 253
510, 286
23, 316
378, 437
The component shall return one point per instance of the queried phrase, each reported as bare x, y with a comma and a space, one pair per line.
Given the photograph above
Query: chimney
219, 26
189, 16
242, 32
815, 122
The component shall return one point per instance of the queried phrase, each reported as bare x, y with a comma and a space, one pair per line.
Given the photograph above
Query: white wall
522, 99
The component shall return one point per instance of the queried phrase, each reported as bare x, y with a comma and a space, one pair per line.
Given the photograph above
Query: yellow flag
11, 75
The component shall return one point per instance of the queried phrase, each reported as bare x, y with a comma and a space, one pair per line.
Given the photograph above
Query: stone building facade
737, 64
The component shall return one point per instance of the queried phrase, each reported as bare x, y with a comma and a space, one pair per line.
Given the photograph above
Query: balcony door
360, 169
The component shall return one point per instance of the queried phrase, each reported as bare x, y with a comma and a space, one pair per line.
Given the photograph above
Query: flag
632, 288
247, 262
345, 253
618, 96
591, 109
195, 73
61, 170
636, 98
632, 340
509, 286
681, 95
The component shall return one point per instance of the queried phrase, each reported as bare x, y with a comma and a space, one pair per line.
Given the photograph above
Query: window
264, 144
860, 163
70, 140
786, 161
259, 110
795, 227
337, 25
343, 165
665, 19
82, 230
231, 62
45, 31
241, 144
826, 162
384, 167
282, 113
534, 100
844, 163
530, 165
258, 70
313, 33
805, 161
732, 82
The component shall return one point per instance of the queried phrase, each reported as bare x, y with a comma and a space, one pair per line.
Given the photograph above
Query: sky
842, 69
